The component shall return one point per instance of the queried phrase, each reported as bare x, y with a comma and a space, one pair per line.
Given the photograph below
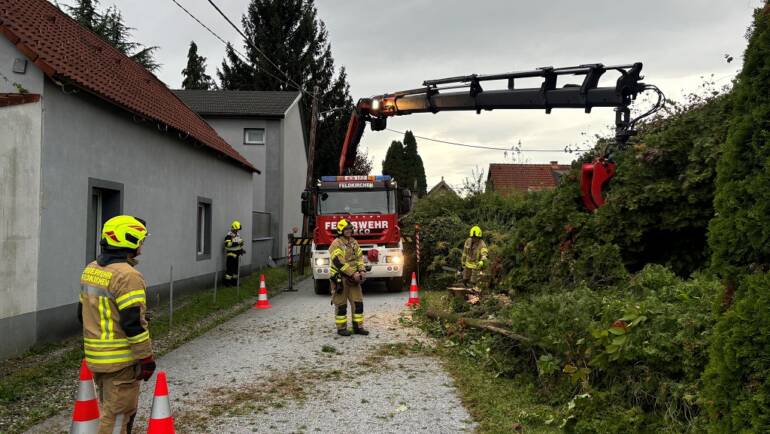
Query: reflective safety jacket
474, 251
233, 244
346, 256
113, 304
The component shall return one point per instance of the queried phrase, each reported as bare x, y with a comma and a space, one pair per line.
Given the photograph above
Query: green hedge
737, 389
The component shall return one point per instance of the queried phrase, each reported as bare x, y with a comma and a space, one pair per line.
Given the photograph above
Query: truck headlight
321, 261
393, 259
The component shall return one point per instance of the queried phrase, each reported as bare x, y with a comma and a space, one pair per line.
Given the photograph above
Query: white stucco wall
232, 131
283, 162
162, 177
31, 80
20, 138
294, 172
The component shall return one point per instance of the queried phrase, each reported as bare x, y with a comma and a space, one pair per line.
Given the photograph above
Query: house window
105, 201
260, 225
254, 136
203, 229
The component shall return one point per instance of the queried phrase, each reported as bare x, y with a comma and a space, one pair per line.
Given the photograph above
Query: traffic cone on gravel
85, 417
262, 302
414, 293
161, 420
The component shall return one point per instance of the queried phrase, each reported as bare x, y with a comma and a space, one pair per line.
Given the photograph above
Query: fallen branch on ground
491, 326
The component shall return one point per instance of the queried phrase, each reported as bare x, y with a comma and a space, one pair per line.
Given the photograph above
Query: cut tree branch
491, 326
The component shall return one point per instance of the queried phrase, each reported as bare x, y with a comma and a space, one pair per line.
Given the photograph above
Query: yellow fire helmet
341, 225
236, 225
476, 232
124, 231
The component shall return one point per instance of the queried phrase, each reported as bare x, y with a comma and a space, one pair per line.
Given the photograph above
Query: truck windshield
357, 202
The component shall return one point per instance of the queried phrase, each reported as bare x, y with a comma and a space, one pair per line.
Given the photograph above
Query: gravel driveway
284, 370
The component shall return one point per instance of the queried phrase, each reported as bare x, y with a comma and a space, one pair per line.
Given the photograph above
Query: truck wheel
395, 284
321, 286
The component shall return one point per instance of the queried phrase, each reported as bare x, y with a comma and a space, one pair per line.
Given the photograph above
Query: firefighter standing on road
116, 338
474, 257
233, 250
347, 273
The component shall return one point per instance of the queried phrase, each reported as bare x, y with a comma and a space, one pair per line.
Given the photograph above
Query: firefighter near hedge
474, 257
348, 272
233, 251
116, 338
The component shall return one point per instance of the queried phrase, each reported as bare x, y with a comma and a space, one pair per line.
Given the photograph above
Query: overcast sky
394, 45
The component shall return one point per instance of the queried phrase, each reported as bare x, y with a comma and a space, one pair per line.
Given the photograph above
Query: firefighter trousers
231, 269
470, 276
118, 394
352, 293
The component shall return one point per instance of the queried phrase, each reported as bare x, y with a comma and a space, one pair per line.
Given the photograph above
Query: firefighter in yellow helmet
348, 272
116, 337
233, 250
474, 257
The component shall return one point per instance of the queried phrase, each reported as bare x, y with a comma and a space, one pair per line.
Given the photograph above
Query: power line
201, 23
492, 148
255, 48
227, 43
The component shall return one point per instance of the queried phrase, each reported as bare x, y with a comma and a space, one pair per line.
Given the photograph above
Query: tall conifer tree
290, 33
194, 74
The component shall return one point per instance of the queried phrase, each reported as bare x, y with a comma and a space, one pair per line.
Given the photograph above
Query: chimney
554, 165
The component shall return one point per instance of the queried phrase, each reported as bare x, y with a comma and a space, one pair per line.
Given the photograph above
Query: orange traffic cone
85, 417
262, 302
161, 420
414, 294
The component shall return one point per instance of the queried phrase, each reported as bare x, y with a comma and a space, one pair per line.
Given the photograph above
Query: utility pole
309, 179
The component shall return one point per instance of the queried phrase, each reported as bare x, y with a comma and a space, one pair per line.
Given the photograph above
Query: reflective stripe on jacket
349, 256
106, 293
474, 250
233, 244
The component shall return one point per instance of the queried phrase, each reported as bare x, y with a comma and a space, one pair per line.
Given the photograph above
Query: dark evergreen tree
110, 26
296, 41
194, 74
363, 165
393, 164
84, 12
413, 161
737, 379
404, 163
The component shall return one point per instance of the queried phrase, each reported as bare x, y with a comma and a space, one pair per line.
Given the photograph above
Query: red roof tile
505, 178
68, 52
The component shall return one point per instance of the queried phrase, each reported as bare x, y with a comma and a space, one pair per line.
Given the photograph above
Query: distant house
87, 134
508, 178
266, 128
442, 188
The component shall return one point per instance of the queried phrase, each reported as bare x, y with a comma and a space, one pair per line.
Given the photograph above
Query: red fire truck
373, 205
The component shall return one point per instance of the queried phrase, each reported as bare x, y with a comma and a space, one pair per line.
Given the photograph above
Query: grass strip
41, 383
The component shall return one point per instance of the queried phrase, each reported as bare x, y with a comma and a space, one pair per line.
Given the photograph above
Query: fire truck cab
373, 205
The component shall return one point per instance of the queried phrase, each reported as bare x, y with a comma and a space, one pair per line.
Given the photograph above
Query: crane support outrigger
466, 93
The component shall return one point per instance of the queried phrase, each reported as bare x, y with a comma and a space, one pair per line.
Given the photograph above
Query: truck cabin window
357, 202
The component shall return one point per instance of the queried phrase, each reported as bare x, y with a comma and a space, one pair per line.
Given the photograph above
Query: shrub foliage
625, 308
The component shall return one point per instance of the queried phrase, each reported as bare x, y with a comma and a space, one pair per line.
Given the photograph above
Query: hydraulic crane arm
467, 93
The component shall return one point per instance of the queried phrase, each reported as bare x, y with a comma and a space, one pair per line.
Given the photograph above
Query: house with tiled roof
509, 178
441, 188
87, 134
267, 128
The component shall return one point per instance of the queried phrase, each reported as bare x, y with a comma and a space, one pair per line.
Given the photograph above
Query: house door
105, 202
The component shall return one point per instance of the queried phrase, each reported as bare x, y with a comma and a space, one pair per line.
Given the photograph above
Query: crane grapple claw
593, 177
